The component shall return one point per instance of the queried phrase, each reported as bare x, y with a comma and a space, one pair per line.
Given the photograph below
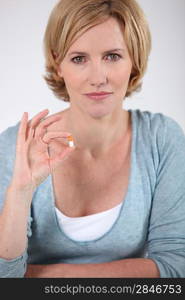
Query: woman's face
98, 61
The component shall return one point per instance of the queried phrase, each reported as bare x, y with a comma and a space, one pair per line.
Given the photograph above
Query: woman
113, 204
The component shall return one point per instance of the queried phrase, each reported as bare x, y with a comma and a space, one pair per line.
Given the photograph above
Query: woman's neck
95, 137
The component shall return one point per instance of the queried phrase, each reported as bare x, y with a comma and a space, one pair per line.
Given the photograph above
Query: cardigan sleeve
15, 267
166, 234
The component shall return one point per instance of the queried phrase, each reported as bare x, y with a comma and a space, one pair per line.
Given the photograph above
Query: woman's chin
98, 114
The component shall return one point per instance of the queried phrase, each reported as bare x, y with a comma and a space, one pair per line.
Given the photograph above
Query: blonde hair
71, 18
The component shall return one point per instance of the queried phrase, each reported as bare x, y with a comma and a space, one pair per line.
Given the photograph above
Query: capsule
70, 141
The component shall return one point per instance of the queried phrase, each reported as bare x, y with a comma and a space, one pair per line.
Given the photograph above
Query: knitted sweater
151, 222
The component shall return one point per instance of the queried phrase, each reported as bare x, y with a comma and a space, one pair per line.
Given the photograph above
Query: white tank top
89, 227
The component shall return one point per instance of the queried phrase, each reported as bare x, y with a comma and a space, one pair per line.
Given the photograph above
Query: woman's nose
98, 75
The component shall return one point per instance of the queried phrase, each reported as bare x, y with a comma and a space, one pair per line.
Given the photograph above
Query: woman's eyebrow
105, 52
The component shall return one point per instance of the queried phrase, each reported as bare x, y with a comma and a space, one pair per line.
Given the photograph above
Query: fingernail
24, 114
44, 111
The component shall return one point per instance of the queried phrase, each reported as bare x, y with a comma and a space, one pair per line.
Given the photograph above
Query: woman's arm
13, 222
133, 268
31, 167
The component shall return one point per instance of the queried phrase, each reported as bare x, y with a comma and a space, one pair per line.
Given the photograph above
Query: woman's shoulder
152, 117
157, 123
8, 139
10, 132
7, 157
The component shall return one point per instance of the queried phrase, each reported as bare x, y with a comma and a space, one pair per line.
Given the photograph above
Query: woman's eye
113, 57
109, 57
78, 59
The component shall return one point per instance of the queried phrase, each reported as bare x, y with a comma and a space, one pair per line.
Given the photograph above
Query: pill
70, 141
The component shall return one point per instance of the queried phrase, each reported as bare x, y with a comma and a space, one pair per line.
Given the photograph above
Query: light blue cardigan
151, 222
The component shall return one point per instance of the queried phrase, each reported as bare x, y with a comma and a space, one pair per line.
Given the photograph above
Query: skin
32, 165
103, 124
95, 72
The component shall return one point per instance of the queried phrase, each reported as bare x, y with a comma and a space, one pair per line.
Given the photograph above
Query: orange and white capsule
70, 141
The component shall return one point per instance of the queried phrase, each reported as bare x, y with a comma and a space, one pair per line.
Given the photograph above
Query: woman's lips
98, 96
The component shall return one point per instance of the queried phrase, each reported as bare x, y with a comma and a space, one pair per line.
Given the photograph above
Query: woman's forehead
104, 36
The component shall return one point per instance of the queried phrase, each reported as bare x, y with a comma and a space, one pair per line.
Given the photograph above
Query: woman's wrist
20, 188
16, 195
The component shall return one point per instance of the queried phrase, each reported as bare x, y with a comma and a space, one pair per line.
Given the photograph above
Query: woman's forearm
126, 268
13, 222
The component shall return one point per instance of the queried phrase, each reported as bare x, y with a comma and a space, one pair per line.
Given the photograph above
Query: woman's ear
54, 54
59, 71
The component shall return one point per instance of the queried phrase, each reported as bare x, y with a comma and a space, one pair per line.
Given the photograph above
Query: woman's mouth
98, 96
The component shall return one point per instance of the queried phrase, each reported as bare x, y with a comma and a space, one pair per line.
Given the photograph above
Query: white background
22, 87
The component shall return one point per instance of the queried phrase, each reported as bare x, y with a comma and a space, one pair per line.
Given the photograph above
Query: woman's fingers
33, 123
33, 160
37, 125
42, 126
55, 134
21, 137
37, 118
57, 159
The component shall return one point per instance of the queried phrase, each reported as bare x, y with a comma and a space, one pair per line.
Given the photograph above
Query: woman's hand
38, 153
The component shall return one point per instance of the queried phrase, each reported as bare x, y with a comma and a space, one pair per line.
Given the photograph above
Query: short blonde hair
71, 18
